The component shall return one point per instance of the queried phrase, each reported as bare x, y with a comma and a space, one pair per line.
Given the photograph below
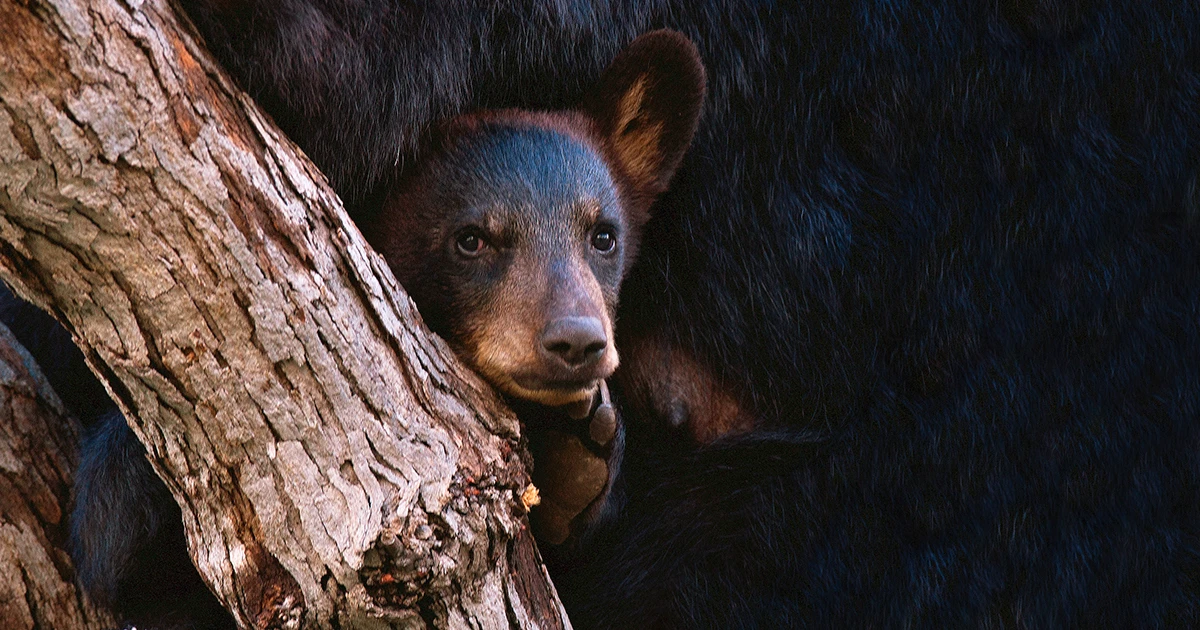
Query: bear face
514, 235
513, 242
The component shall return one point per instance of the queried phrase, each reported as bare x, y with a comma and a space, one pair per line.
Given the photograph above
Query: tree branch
336, 466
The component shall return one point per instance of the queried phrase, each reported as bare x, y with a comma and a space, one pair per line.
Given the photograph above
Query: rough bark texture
336, 466
38, 444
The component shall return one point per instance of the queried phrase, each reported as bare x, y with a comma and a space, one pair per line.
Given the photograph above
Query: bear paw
572, 468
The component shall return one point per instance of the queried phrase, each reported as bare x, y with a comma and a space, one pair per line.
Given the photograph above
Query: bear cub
516, 231
512, 237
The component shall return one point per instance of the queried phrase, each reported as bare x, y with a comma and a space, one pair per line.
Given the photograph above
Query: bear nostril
595, 348
576, 341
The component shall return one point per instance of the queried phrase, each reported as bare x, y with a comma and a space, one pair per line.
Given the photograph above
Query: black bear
916, 343
512, 237
514, 233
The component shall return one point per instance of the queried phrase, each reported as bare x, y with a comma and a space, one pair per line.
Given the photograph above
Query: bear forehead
524, 168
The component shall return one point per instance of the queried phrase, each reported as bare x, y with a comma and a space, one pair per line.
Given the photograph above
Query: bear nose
577, 341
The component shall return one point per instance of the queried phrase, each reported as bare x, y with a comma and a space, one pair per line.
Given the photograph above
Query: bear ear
647, 105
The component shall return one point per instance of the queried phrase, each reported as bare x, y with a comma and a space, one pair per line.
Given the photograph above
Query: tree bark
335, 464
38, 445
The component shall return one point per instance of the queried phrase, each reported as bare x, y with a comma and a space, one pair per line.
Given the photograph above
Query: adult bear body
931, 269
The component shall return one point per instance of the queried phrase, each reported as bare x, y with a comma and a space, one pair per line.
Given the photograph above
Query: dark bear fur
936, 257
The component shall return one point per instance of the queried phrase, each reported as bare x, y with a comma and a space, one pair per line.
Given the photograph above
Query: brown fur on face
535, 190
533, 309
503, 341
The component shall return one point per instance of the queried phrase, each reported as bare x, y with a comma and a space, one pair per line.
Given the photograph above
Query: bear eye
604, 239
470, 243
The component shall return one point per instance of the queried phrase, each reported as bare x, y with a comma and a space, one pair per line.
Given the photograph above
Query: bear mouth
552, 392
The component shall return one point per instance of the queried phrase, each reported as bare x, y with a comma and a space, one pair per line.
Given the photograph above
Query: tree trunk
335, 464
38, 446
